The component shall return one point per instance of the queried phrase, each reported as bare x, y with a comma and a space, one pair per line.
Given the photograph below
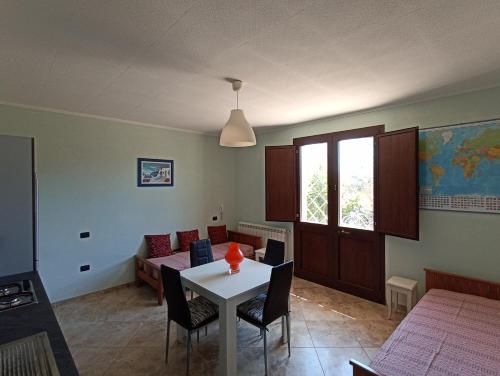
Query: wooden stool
399, 285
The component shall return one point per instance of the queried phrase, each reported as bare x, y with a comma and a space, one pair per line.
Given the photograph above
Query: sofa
147, 270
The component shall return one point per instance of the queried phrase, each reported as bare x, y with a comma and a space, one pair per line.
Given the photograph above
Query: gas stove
17, 294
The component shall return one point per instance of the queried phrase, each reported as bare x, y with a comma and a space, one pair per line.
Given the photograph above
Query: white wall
87, 182
465, 243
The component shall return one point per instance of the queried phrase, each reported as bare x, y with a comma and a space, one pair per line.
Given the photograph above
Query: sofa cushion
217, 234
220, 250
181, 260
185, 238
158, 245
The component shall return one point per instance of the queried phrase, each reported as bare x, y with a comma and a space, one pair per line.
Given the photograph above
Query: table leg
227, 339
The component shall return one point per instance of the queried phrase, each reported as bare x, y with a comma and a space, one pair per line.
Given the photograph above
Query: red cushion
185, 238
159, 245
217, 234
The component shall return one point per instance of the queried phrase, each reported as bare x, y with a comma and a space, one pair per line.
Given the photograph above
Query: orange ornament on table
234, 257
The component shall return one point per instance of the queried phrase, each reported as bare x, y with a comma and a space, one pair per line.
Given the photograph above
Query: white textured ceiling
163, 62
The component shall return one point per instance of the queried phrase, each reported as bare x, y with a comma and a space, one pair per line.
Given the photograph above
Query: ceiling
164, 62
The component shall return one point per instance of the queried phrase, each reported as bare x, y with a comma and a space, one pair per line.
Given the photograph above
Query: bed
147, 270
453, 330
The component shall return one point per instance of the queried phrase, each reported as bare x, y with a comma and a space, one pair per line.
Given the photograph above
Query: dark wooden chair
200, 252
275, 252
191, 315
266, 308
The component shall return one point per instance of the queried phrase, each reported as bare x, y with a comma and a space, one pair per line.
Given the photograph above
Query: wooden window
397, 183
281, 183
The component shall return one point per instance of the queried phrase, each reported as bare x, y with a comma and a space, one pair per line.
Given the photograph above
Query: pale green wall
466, 243
87, 182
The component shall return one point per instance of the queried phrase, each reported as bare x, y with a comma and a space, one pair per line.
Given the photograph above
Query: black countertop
35, 318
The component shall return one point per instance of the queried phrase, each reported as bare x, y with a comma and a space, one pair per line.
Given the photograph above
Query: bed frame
144, 270
473, 286
435, 279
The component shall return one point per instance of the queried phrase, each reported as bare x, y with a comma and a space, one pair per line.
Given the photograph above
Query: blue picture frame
155, 172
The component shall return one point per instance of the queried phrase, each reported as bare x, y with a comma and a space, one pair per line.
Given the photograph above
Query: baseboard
128, 284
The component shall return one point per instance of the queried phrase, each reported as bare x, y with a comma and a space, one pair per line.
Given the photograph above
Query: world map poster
459, 167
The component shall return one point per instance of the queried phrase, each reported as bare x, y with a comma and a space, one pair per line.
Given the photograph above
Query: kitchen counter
35, 318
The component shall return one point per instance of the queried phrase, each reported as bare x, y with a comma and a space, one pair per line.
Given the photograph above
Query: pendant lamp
237, 132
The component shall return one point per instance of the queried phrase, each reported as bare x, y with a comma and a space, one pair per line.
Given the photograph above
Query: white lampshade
237, 132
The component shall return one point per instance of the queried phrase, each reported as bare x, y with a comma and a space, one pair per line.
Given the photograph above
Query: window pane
314, 183
356, 183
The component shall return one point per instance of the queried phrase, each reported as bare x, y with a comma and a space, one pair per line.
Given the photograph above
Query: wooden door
344, 252
358, 246
313, 231
338, 236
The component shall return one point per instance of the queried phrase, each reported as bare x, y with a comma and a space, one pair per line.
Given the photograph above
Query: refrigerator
17, 205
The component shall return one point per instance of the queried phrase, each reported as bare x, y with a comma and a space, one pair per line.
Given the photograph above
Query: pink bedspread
447, 333
181, 261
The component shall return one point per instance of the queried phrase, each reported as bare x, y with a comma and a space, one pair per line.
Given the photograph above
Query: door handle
343, 232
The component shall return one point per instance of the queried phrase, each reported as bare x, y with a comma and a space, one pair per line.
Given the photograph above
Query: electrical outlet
84, 268
84, 235
214, 218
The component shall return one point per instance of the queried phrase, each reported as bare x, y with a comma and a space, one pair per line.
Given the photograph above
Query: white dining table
214, 282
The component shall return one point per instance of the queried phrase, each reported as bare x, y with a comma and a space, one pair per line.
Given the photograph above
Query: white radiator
266, 232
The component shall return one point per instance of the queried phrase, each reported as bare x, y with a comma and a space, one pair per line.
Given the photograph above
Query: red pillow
217, 234
185, 238
158, 245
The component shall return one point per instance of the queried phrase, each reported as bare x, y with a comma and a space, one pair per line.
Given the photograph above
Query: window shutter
281, 183
397, 183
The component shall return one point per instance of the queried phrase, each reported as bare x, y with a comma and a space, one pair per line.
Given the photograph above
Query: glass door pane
355, 162
314, 183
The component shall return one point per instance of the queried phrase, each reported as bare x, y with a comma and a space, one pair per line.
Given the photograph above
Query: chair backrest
200, 252
177, 305
276, 304
275, 252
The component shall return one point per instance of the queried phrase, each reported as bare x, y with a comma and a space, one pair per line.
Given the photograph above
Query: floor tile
94, 361
332, 334
152, 334
300, 336
136, 311
335, 361
303, 361
323, 311
372, 333
371, 351
99, 334
138, 361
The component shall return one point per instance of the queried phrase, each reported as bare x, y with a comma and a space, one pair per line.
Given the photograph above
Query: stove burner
12, 288
17, 294
22, 298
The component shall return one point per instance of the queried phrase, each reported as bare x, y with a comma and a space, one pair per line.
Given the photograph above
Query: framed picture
155, 172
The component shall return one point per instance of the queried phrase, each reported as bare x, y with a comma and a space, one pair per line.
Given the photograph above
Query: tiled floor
122, 332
